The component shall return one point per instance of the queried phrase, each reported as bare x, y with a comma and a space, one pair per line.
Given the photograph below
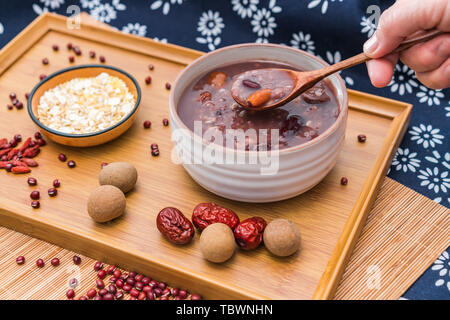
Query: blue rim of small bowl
83, 135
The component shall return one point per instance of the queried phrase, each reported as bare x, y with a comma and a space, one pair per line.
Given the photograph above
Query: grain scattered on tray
86, 105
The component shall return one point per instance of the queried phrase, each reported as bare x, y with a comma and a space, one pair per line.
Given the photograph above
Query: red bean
32, 181
362, 138
168, 86
102, 292
45, 61
147, 124
139, 277
35, 195
71, 59
12, 96
20, 260
40, 263
71, 164
142, 296
62, 157
55, 47
131, 281
127, 288
165, 122
147, 289
42, 76
99, 283
110, 269
344, 181
134, 293
162, 285
70, 294
183, 294
83, 298
98, 265
91, 293
52, 192
69, 46
73, 283
92, 54
139, 286
101, 274
76, 259
157, 292
117, 273
251, 84
55, 262
57, 184
119, 283
112, 289
119, 295
77, 50
35, 204
151, 67
18, 138
148, 80
102, 59
196, 297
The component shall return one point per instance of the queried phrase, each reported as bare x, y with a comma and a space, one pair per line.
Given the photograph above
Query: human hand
406, 18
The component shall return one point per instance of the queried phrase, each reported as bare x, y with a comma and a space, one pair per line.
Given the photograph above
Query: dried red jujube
174, 226
249, 233
208, 213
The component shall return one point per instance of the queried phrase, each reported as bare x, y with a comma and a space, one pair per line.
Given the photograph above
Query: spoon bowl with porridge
85, 105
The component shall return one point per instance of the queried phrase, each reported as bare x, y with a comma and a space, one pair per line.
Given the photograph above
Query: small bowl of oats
85, 105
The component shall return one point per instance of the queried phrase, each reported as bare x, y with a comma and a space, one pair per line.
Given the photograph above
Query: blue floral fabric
331, 29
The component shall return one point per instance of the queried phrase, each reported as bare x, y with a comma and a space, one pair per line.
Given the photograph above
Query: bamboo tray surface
330, 216
380, 266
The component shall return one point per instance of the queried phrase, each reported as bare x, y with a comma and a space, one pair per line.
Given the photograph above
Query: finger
438, 78
381, 70
427, 56
403, 19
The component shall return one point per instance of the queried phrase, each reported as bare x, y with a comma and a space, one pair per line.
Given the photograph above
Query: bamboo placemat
404, 234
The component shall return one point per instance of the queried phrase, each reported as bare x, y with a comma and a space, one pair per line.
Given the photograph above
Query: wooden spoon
263, 98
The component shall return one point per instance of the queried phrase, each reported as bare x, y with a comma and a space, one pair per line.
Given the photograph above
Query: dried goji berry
20, 170
5, 151
12, 153
31, 152
25, 145
29, 162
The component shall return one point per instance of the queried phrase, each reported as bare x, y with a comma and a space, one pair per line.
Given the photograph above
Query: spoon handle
360, 58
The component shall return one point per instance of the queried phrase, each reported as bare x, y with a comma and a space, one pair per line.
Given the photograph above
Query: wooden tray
330, 216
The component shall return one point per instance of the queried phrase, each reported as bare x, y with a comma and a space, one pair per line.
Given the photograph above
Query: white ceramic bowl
300, 167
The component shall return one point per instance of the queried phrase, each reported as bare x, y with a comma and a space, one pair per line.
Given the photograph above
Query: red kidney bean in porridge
209, 100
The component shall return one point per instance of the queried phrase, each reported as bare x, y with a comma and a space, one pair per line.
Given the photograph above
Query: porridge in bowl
209, 100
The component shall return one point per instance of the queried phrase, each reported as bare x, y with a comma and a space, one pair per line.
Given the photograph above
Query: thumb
403, 19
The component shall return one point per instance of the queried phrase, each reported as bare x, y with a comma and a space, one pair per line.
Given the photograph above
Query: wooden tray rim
398, 112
